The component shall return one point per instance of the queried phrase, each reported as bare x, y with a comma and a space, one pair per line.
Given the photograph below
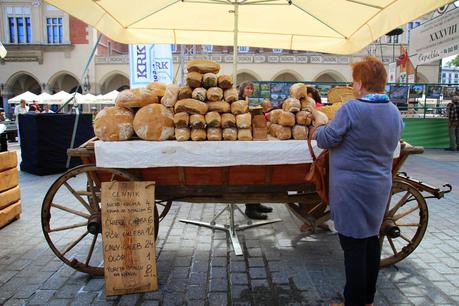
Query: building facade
48, 51
450, 75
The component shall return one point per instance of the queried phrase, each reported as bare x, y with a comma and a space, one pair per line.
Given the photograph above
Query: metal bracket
231, 228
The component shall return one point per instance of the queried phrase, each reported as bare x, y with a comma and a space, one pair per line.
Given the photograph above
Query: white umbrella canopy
28, 96
60, 98
86, 99
334, 26
108, 98
44, 98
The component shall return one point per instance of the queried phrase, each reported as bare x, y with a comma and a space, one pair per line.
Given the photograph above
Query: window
55, 30
19, 25
411, 25
173, 48
207, 48
455, 75
395, 39
243, 49
277, 50
109, 47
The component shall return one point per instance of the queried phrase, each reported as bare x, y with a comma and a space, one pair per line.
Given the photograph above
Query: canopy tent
108, 98
338, 26
44, 98
86, 99
28, 96
60, 98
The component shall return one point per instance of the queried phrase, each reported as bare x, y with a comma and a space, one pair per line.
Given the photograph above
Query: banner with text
150, 63
435, 39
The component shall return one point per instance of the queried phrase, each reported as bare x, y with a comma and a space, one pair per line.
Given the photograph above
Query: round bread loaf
228, 120
214, 94
199, 93
181, 120
154, 122
114, 123
198, 134
157, 88
244, 134
137, 97
170, 96
185, 92
209, 80
239, 107
182, 134
225, 81
298, 91
197, 121
194, 79
286, 119
213, 120
244, 121
230, 95
214, 134
300, 132
291, 105
230, 134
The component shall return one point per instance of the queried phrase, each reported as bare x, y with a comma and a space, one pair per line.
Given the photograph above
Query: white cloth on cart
146, 154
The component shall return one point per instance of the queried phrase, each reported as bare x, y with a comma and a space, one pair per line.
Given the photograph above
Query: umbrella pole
236, 30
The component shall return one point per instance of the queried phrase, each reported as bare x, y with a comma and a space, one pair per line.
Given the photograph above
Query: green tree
454, 61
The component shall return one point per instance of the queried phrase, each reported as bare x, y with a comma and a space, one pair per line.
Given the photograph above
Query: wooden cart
71, 218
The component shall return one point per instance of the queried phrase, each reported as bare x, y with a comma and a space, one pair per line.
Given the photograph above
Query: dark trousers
361, 261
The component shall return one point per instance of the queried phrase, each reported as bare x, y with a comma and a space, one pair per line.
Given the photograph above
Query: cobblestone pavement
196, 266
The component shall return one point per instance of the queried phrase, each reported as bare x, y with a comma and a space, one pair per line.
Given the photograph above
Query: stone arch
329, 76
22, 81
287, 75
246, 75
64, 80
114, 80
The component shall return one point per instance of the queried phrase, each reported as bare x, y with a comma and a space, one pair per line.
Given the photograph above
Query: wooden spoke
79, 198
70, 210
95, 204
314, 208
91, 249
71, 246
408, 224
399, 203
67, 227
404, 238
392, 246
406, 212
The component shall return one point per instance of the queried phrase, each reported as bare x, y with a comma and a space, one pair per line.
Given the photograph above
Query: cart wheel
71, 219
163, 208
404, 224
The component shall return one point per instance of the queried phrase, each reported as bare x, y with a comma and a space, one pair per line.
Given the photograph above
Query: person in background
33, 109
37, 106
452, 111
315, 95
21, 108
46, 109
361, 139
252, 210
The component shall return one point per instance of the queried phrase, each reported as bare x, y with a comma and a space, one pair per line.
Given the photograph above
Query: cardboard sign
128, 235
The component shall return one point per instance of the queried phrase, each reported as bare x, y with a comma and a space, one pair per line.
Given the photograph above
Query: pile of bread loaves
207, 108
298, 113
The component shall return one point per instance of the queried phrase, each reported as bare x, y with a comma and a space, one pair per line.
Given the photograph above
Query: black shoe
264, 209
254, 214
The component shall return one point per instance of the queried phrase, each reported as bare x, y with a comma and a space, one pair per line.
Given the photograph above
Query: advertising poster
150, 63
416, 91
399, 94
279, 92
433, 91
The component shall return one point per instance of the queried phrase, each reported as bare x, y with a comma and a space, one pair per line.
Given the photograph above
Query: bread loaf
209, 80
302, 117
181, 120
197, 121
230, 134
228, 121
213, 120
319, 118
157, 88
291, 105
194, 79
170, 96
225, 81
230, 95
182, 134
259, 128
280, 132
191, 106
136, 97
113, 124
244, 121
185, 92
286, 119
308, 102
198, 134
244, 134
274, 115
300, 132
239, 107
154, 122
214, 134
220, 106
199, 93
214, 94
298, 91
203, 66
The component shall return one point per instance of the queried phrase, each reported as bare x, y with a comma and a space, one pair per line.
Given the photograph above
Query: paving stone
68, 291
84, 298
257, 273
239, 279
218, 284
195, 292
25, 292
238, 266
219, 261
15, 302
217, 299
59, 302
41, 297
256, 262
218, 272
129, 299
94, 284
